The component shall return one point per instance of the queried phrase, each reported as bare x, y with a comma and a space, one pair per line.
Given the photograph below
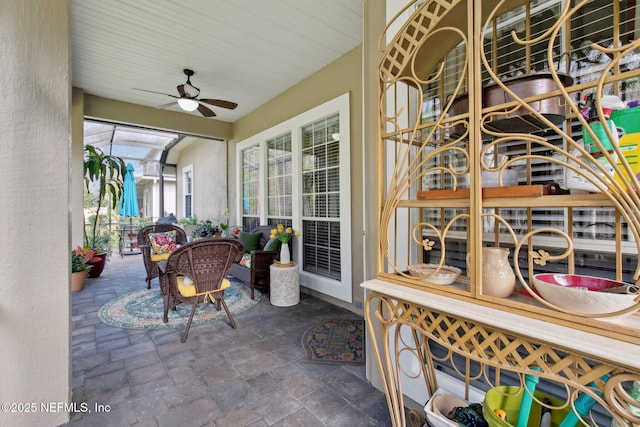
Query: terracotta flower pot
77, 281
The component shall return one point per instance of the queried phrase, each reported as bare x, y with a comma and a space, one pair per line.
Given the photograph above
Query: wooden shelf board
507, 197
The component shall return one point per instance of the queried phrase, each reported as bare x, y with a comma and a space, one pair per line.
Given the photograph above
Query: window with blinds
251, 187
297, 174
279, 177
593, 229
321, 197
187, 174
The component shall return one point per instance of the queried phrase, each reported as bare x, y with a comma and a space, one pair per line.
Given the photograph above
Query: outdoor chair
262, 255
152, 256
195, 273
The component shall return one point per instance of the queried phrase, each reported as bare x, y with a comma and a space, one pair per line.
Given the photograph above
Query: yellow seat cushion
160, 257
187, 288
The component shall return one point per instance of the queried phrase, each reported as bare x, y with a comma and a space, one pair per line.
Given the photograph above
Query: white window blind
187, 174
279, 177
593, 229
251, 187
321, 197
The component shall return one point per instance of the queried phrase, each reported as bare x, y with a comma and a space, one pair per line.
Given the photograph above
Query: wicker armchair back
145, 245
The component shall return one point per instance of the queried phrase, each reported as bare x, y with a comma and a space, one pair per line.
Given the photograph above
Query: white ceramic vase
285, 255
498, 279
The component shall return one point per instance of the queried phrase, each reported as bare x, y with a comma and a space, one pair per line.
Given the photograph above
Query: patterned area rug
335, 341
144, 309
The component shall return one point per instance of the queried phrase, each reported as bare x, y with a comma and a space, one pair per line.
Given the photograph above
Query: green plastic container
601, 134
627, 119
508, 399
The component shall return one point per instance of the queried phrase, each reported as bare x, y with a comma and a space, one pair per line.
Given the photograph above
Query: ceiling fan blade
205, 111
153, 91
220, 103
167, 105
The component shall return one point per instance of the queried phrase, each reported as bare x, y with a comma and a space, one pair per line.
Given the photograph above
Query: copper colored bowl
527, 85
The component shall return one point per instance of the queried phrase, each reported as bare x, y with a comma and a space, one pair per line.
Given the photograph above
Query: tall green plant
108, 173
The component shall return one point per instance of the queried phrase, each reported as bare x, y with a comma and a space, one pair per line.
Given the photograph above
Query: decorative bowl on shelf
446, 275
587, 295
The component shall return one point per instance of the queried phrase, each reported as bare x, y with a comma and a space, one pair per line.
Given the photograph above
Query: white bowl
439, 406
583, 294
446, 275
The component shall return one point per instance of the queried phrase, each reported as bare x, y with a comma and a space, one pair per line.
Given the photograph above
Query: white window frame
342, 289
187, 170
268, 195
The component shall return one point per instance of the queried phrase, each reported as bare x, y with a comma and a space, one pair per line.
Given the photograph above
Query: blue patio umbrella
128, 208
129, 199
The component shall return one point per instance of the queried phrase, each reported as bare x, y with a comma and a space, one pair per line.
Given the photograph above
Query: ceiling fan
189, 101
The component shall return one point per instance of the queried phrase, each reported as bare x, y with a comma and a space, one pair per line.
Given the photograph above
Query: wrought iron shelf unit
444, 139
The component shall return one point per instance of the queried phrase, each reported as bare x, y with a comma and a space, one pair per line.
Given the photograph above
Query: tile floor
254, 375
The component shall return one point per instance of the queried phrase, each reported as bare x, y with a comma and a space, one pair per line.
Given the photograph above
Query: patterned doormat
335, 341
144, 309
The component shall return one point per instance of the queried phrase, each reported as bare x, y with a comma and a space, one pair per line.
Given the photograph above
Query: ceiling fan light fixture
190, 90
188, 100
188, 104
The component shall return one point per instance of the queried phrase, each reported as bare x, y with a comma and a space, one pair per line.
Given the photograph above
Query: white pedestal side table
284, 285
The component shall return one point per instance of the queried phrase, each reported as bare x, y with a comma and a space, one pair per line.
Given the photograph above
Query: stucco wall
341, 76
77, 165
209, 160
35, 124
173, 121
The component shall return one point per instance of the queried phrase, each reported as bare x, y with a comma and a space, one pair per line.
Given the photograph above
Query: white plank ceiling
245, 51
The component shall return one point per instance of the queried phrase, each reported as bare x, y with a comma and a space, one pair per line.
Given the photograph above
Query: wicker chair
145, 246
195, 273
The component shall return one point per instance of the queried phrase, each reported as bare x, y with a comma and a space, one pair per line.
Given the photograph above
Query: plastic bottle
530, 382
635, 393
583, 405
545, 418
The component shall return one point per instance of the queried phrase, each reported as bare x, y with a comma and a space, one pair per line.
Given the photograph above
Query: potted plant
205, 229
189, 225
102, 247
223, 227
284, 235
103, 176
80, 258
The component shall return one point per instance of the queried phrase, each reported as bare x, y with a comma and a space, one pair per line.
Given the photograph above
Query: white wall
150, 194
170, 201
35, 124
